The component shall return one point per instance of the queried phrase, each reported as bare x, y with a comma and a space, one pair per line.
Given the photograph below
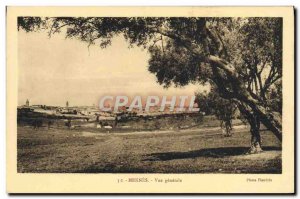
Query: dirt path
200, 130
265, 155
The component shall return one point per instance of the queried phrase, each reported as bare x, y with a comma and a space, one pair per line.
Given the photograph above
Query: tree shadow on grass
211, 153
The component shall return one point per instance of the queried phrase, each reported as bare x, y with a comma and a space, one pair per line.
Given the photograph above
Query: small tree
223, 109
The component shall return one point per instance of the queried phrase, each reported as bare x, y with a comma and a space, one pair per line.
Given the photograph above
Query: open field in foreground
204, 150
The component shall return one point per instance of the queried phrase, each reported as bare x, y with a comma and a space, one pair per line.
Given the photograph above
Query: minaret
27, 102
67, 104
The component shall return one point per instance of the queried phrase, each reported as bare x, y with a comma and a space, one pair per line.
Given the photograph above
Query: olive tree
212, 104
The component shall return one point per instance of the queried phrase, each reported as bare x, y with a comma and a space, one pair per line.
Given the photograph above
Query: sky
54, 70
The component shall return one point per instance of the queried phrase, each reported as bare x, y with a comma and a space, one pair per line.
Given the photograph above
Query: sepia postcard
149, 100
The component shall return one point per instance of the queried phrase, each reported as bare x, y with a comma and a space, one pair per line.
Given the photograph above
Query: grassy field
203, 150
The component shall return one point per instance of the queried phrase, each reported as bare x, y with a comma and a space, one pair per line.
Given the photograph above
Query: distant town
92, 116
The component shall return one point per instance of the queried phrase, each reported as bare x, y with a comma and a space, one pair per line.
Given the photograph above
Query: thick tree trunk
255, 142
254, 121
255, 135
271, 120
